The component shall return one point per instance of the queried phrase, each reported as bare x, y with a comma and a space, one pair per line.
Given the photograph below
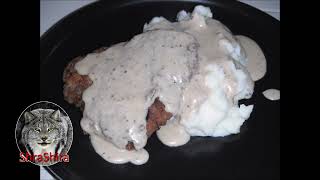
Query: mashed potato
224, 78
219, 114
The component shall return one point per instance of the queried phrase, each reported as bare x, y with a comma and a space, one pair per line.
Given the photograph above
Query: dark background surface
252, 154
19, 80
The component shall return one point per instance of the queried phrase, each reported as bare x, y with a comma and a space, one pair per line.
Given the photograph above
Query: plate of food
166, 89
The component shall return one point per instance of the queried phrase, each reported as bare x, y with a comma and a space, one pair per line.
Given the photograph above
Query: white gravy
257, 64
115, 155
272, 94
173, 134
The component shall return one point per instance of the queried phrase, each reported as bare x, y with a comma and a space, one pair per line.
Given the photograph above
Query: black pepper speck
141, 127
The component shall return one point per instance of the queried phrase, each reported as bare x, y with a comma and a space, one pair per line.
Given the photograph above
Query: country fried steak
75, 84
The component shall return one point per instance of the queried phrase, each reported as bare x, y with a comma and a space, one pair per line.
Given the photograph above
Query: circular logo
44, 134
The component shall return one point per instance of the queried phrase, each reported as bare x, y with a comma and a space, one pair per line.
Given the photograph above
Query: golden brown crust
75, 84
157, 116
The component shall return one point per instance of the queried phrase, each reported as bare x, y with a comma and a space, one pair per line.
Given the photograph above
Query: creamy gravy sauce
115, 155
257, 64
272, 94
173, 134
169, 61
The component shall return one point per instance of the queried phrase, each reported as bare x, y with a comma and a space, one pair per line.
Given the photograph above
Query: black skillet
252, 154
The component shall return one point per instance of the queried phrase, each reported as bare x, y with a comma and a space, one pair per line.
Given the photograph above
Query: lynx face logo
44, 134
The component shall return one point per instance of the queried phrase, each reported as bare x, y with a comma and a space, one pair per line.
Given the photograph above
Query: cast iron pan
252, 154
